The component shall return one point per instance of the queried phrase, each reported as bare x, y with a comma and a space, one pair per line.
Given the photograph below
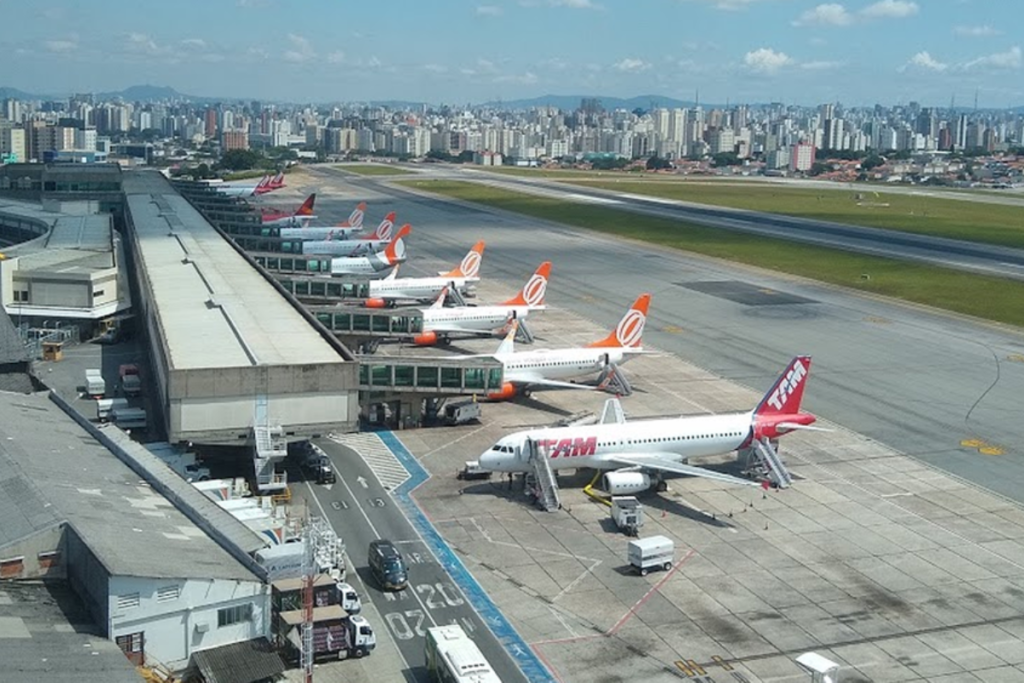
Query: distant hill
571, 102
16, 94
144, 93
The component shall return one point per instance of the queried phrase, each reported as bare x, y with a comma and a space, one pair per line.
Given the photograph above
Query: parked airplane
641, 452
548, 368
243, 189
275, 183
439, 323
302, 216
342, 231
335, 246
374, 264
386, 292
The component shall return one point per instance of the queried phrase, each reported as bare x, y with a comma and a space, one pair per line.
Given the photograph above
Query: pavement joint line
654, 589
519, 546
530, 664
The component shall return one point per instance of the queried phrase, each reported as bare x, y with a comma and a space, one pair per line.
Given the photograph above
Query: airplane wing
656, 461
538, 382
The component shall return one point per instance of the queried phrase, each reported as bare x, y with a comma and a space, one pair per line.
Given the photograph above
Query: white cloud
631, 65
488, 10
60, 45
140, 42
766, 60
528, 78
302, 50
820, 65
336, 57
194, 42
890, 9
830, 14
435, 68
976, 31
924, 60
728, 5
574, 4
1011, 59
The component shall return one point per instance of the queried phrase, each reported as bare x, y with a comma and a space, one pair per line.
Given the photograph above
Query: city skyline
789, 51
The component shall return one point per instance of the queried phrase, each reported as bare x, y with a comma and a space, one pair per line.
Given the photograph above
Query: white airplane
374, 264
342, 231
548, 368
302, 216
387, 291
641, 452
439, 323
243, 189
336, 246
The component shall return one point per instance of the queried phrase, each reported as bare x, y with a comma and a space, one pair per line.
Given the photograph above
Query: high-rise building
802, 157
234, 139
211, 124
960, 139
12, 143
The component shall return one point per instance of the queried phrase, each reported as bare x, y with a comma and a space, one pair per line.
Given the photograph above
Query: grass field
373, 169
991, 298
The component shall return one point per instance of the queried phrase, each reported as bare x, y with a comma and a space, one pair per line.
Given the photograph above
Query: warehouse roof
215, 309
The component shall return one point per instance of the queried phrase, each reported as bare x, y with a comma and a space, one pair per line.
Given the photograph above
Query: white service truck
653, 552
95, 385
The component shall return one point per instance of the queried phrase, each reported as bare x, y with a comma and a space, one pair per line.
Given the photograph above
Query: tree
726, 159
872, 161
241, 160
819, 167
438, 155
203, 171
656, 163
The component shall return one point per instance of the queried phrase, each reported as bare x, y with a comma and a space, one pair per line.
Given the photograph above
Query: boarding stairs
544, 477
270, 447
613, 381
523, 333
771, 463
453, 297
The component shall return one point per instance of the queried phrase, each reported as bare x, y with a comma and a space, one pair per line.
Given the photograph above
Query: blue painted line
514, 645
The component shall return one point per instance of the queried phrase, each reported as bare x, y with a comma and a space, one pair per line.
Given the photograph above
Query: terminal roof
76, 243
52, 471
214, 307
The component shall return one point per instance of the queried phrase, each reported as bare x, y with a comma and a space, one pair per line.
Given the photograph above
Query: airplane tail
532, 293
307, 206
383, 231
470, 265
278, 180
508, 344
391, 251
629, 332
355, 219
264, 181
788, 390
439, 301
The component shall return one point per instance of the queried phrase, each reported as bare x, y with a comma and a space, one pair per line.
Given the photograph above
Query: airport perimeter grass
373, 169
953, 218
986, 297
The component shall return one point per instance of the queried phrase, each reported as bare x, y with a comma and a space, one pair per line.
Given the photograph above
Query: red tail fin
264, 181
532, 293
391, 251
383, 231
278, 180
470, 265
629, 332
785, 395
307, 206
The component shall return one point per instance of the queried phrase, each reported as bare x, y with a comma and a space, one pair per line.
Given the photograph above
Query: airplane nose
490, 461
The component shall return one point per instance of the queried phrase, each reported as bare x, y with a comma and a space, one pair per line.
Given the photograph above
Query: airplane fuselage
416, 288
317, 232
559, 363
343, 247
592, 446
476, 319
289, 221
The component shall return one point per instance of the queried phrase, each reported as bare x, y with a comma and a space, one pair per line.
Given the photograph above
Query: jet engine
626, 483
507, 392
376, 303
425, 339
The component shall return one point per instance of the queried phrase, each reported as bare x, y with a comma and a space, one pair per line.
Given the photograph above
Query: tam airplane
549, 368
374, 264
275, 183
439, 323
637, 453
302, 216
386, 292
242, 189
342, 247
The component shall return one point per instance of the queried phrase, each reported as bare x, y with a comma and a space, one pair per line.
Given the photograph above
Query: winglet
507, 345
383, 231
629, 332
532, 293
470, 265
788, 390
307, 206
391, 251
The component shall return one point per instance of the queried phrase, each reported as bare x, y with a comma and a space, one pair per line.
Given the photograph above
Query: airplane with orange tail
336, 246
440, 323
373, 265
637, 454
301, 216
549, 368
388, 291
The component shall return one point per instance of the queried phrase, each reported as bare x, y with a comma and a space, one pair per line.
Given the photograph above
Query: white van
105, 406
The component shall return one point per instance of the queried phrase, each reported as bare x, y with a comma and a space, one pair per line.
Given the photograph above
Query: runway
949, 253
941, 388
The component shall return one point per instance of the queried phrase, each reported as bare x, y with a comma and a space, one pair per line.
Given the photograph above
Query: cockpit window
496, 447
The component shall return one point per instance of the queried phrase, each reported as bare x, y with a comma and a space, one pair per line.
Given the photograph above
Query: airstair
270, 448
613, 381
543, 477
771, 463
523, 333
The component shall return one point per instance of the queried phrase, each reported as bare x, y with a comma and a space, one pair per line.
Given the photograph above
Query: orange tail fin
532, 293
307, 206
355, 219
470, 265
391, 251
383, 231
629, 332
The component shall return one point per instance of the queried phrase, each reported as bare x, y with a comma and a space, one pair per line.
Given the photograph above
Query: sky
857, 52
